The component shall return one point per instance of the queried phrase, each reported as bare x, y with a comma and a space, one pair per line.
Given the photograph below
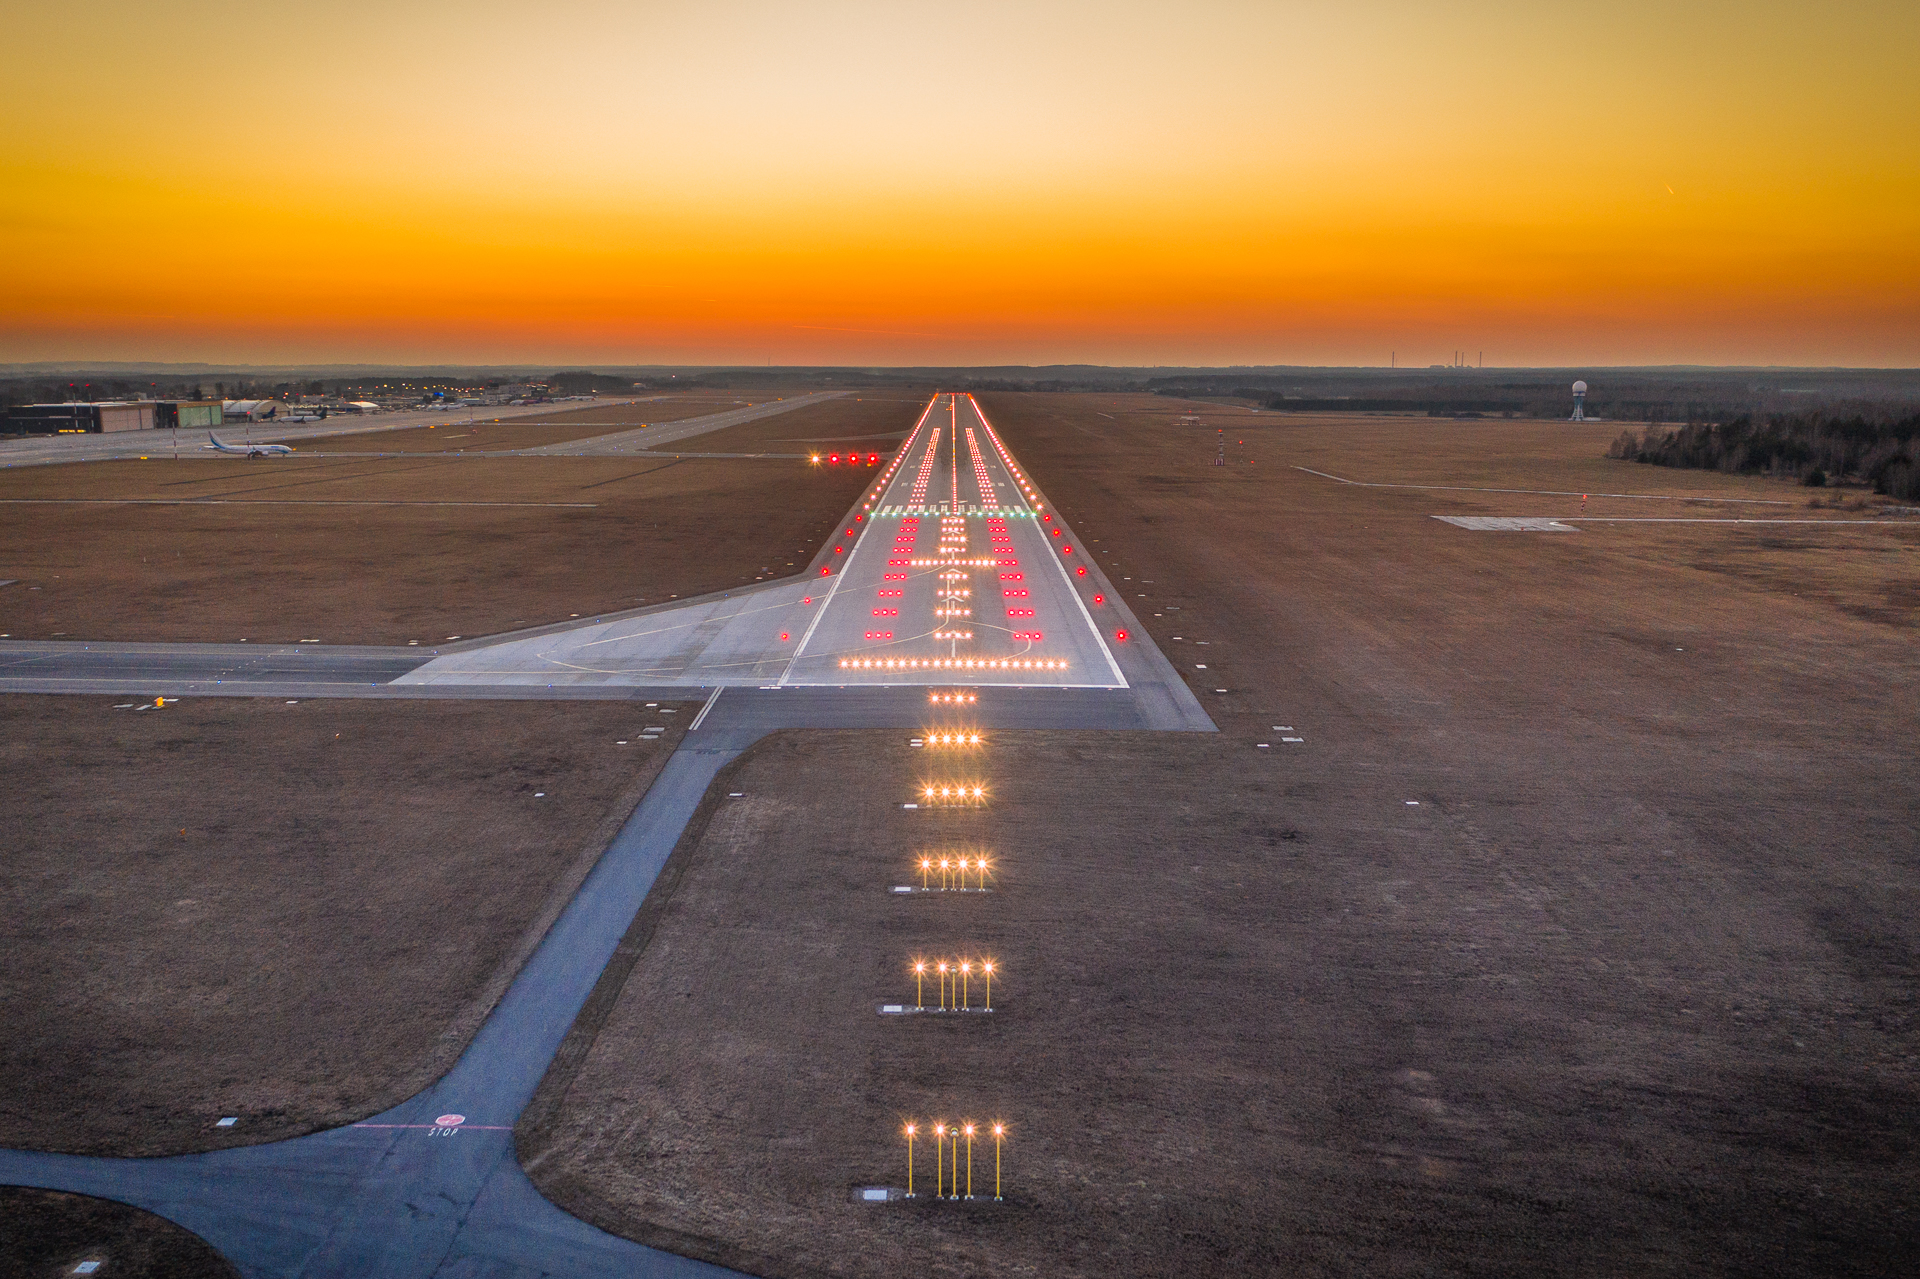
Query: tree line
1816, 448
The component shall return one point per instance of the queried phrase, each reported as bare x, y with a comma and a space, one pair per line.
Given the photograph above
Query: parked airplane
250, 450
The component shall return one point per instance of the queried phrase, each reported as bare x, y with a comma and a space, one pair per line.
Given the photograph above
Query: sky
737, 181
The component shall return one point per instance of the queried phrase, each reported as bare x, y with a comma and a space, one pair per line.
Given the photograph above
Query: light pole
919, 983
966, 972
926, 864
969, 1161
909, 1161
943, 985
999, 1132
939, 1161
986, 968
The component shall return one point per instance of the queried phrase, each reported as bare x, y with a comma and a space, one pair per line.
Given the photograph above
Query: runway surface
639, 440
952, 568
431, 1187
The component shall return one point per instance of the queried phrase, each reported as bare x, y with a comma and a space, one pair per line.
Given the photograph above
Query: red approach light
857, 519
839, 550
1099, 599
1056, 532
849, 532
824, 570
1121, 636
873, 459
1082, 570
1066, 550
834, 458
783, 637
1046, 517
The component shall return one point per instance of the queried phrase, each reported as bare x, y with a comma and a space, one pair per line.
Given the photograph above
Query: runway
641, 439
951, 569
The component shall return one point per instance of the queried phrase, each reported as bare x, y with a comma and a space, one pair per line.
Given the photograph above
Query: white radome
1579, 388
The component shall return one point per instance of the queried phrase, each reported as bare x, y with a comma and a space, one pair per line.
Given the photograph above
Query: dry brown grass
1576, 937
296, 914
356, 551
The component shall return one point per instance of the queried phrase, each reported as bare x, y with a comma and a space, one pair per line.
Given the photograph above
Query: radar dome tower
1579, 402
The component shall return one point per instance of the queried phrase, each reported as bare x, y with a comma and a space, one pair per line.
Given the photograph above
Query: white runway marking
704, 709
1506, 524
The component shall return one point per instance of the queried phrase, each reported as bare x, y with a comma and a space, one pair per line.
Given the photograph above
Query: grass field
47, 1234
391, 550
296, 914
1576, 935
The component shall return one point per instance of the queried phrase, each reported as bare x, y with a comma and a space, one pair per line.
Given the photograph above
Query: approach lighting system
952, 794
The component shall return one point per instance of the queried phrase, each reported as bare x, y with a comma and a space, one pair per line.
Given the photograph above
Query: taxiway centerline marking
1468, 488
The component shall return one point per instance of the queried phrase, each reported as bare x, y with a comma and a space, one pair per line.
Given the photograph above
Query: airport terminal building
98, 417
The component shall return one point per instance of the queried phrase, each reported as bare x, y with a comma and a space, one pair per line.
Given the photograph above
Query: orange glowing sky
1209, 182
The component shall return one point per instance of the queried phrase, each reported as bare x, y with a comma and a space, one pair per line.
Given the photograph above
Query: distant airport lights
965, 699
953, 739
958, 663
947, 1140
